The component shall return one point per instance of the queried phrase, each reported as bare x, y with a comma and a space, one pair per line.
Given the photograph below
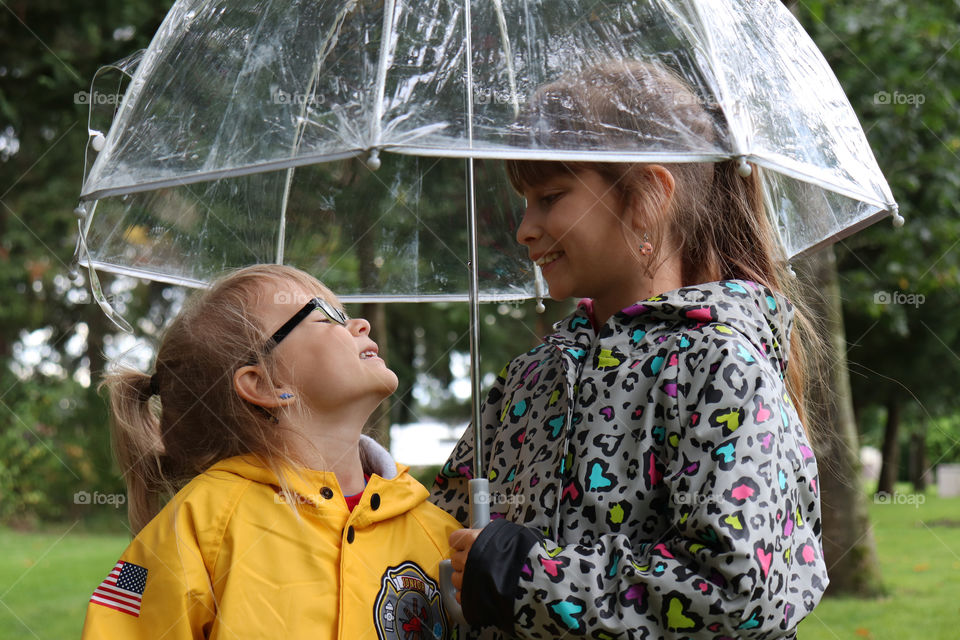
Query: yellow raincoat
229, 558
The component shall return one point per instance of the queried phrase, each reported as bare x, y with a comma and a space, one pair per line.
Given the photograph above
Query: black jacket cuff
492, 572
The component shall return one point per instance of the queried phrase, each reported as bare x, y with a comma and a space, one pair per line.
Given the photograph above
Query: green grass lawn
46, 579
919, 549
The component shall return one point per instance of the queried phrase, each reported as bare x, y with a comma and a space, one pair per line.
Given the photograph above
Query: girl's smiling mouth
548, 258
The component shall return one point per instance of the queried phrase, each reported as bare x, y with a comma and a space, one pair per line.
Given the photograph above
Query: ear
663, 185
251, 385
650, 202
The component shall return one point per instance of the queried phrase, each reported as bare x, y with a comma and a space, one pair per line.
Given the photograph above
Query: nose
529, 230
358, 326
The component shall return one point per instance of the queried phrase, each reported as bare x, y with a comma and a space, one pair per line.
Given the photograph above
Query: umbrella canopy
237, 140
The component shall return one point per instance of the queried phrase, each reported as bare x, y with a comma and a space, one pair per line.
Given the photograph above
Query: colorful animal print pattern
664, 463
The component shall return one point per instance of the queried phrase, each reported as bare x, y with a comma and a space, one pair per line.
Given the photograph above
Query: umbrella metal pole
479, 488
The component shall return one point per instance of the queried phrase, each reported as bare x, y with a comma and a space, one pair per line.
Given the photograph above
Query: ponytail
137, 443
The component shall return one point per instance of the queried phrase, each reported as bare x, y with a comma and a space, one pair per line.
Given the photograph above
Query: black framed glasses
333, 314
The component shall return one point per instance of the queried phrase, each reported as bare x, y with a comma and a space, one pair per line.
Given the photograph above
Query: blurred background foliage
899, 63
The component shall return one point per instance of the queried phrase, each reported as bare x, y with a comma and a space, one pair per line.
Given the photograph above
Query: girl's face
327, 364
575, 228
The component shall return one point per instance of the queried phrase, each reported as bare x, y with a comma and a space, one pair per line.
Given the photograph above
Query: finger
457, 580
459, 560
463, 538
456, 537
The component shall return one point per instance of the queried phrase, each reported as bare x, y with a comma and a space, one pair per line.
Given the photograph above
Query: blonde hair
717, 217
168, 431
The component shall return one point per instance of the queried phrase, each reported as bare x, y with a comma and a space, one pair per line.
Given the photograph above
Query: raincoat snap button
350, 534
375, 501
326, 492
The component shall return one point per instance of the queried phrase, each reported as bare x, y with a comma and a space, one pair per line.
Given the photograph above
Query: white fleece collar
376, 459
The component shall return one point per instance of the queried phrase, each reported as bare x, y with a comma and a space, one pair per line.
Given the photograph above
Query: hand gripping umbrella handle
479, 518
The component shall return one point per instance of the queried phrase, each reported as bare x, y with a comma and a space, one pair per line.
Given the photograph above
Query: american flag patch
122, 589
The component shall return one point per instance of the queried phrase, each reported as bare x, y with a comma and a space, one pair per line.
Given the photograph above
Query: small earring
286, 396
645, 247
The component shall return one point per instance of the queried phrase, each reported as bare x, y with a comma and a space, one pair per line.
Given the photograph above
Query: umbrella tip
898, 219
743, 167
97, 139
373, 160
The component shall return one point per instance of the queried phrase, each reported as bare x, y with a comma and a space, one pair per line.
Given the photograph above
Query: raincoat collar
397, 491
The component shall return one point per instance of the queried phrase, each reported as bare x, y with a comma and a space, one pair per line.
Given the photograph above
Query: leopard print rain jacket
650, 479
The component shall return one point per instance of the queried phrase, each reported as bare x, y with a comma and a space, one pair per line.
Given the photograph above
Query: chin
559, 293
391, 382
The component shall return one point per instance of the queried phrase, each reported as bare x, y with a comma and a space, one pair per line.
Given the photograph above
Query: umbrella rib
385, 54
737, 136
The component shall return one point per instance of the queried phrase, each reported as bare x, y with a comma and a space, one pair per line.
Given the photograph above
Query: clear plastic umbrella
360, 140
236, 103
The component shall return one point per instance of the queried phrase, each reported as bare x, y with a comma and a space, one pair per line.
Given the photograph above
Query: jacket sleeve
450, 491
176, 600
738, 482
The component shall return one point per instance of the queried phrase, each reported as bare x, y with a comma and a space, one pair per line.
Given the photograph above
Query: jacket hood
762, 316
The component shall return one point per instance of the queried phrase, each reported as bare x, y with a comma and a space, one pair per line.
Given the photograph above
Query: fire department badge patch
408, 606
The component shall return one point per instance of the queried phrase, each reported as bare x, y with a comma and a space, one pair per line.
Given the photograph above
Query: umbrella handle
479, 518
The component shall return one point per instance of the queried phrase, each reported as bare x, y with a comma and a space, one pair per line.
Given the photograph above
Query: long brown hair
717, 217
166, 432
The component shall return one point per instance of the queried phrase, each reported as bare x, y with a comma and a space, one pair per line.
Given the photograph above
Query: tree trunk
918, 460
378, 425
891, 450
848, 545
98, 326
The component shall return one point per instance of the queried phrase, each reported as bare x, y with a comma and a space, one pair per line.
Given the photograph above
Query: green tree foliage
898, 63
52, 427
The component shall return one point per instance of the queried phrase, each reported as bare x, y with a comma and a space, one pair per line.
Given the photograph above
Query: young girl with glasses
284, 521
650, 472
